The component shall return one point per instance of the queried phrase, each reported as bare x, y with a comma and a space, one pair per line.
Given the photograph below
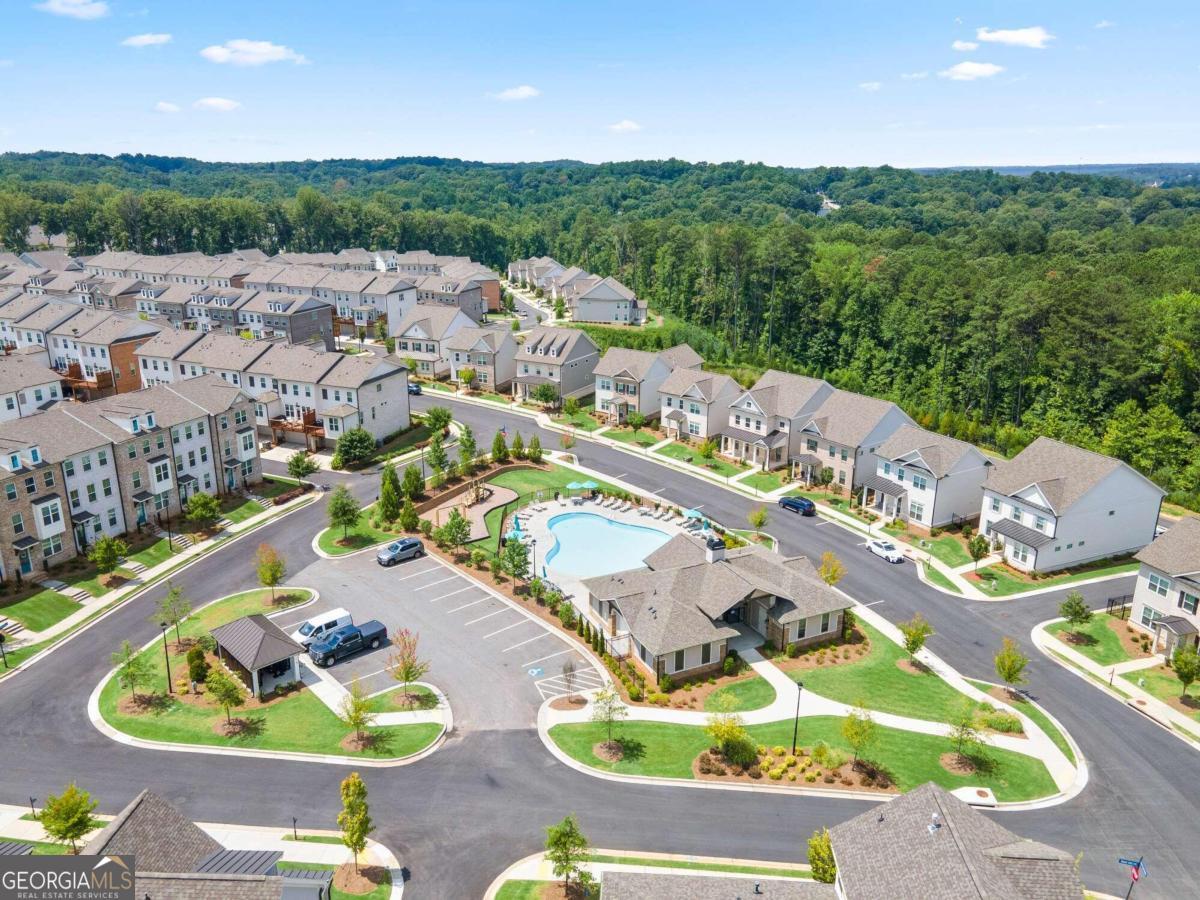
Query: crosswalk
557, 686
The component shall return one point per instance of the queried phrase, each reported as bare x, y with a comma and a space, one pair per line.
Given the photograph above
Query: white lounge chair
643, 511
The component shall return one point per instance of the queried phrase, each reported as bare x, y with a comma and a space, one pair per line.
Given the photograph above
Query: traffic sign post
1137, 868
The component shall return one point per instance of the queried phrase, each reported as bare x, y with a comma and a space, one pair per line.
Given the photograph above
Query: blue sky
804, 83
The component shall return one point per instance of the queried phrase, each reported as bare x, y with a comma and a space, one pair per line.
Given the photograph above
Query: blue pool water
586, 545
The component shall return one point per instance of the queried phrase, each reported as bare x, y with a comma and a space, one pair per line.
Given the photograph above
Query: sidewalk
1107, 678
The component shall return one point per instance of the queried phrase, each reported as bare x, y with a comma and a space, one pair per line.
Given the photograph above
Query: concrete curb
112, 733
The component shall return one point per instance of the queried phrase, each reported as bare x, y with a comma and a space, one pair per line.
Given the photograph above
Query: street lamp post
166, 655
295, 837
32, 811
796, 723
533, 547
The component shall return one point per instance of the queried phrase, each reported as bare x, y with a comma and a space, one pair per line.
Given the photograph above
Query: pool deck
535, 522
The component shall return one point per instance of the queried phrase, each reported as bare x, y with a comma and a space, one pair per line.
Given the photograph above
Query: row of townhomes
590, 298
300, 394
78, 470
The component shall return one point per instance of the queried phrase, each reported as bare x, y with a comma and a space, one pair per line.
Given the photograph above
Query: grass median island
296, 721
1032, 710
420, 697
1095, 639
364, 534
695, 866
521, 889
933, 576
912, 758
1000, 580
878, 680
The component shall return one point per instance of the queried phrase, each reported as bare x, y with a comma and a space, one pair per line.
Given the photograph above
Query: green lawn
1001, 582
315, 839
732, 868
401, 443
764, 482
384, 702
238, 509
1104, 646
876, 680
640, 438
41, 848
299, 722
516, 889
753, 693
947, 549
1035, 712
40, 611
1162, 683
271, 487
667, 751
382, 891
933, 576
687, 453
581, 420
364, 534
158, 552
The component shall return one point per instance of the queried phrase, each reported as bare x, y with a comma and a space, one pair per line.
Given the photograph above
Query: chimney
714, 549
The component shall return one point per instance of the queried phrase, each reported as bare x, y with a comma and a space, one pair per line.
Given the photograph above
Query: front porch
764, 452
1172, 633
884, 497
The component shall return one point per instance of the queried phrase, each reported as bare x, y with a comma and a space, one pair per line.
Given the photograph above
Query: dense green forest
995, 307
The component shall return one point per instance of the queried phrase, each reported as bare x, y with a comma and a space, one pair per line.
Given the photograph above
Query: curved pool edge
661, 537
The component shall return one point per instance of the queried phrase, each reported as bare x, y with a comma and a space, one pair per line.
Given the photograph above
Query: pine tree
389, 494
499, 448
533, 452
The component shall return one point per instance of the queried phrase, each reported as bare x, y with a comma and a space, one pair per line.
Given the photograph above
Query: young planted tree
409, 520
1075, 610
226, 691
467, 450
355, 447
518, 446
569, 676
820, 857
405, 664
757, 517
831, 571
725, 726
132, 668
107, 553
355, 712
203, 509
456, 530
355, 818
609, 711
915, 631
499, 448
570, 406
567, 850
859, 730
270, 566
343, 510
1010, 664
560, 308
67, 817
533, 452
173, 608
413, 485
515, 560
388, 505
978, 548
467, 376
1186, 663
437, 419
300, 465
635, 420
566, 441
546, 394
707, 449
964, 733
435, 455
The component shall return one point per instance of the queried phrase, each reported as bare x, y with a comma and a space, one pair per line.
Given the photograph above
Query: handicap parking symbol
535, 673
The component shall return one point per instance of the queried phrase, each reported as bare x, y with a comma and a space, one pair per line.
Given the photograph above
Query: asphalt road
459, 817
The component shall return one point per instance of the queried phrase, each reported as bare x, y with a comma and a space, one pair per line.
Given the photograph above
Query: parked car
885, 550
414, 389
321, 626
347, 640
799, 505
398, 551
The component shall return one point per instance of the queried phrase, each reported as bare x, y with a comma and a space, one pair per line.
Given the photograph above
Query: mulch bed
555, 891
1131, 646
352, 743
956, 764
568, 703
912, 667
140, 705
858, 645
609, 752
409, 701
365, 880
231, 728
840, 776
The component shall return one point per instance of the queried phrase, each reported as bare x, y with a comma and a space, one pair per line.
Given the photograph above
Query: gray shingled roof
18, 372
1177, 552
683, 379
198, 886
255, 641
224, 351
891, 851
169, 344
847, 418
1062, 472
939, 452
637, 363
431, 321
663, 886
784, 394
561, 339
159, 836
468, 337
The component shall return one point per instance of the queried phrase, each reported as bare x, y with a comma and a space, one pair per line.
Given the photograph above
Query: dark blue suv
801, 505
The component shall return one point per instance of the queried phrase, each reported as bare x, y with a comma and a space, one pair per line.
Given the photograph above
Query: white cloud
1035, 38
216, 104
964, 46
914, 76
1103, 23
870, 86
625, 126
163, 106
520, 92
241, 52
146, 40
74, 9
971, 71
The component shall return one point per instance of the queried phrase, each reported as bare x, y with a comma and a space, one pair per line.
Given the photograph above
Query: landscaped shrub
810, 777
207, 643
829, 779
704, 764
740, 752
197, 665
658, 699
775, 774
635, 692
665, 684
754, 771
478, 558
790, 761
778, 751
967, 531
426, 527
793, 650
1002, 721
791, 776
729, 667
566, 615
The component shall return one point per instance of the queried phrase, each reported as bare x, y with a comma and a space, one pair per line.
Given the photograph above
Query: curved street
456, 819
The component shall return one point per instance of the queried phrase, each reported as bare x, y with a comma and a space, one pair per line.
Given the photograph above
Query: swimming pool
586, 544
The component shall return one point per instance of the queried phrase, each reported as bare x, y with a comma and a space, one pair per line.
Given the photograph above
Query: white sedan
885, 549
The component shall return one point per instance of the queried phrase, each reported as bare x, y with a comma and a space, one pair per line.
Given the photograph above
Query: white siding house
926, 479
1166, 600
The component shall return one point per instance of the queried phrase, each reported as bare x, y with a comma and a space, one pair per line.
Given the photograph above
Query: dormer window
35, 455
14, 462
150, 420
135, 425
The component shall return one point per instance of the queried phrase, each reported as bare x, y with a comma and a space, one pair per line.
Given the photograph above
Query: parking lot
468, 634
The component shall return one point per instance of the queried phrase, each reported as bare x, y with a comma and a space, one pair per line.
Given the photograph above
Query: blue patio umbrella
693, 514
515, 534
589, 485
575, 486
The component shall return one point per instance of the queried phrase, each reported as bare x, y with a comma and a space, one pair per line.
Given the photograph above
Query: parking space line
472, 603
365, 677
551, 656
523, 643
440, 581
489, 615
417, 574
452, 593
505, 628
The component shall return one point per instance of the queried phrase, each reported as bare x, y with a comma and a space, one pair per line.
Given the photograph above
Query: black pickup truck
346, 641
